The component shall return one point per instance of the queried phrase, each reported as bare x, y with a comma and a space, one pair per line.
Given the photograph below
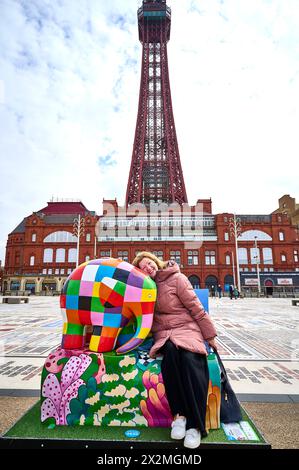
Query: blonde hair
146, 254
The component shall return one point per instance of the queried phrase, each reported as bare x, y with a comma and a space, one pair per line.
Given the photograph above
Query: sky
69, 84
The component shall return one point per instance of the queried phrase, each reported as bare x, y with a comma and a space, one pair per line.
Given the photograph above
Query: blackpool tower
156, 174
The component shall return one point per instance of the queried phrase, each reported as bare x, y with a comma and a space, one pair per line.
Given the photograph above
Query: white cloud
69, 86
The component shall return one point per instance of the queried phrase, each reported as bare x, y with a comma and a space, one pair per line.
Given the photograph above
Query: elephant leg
73, 336
103, 338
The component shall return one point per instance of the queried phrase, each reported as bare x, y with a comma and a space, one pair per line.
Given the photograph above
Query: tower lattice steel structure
156, 173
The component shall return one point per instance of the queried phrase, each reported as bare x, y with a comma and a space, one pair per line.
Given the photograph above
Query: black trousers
186, 379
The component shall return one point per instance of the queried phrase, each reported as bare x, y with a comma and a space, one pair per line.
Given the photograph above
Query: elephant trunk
144, 324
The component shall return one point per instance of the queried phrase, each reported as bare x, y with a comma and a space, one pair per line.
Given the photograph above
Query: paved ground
258, 339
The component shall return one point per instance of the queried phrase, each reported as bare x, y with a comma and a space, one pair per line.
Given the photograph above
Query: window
210, 257
60, 255
48, 255
44, 271
105, 254
271, 270
255, 255
251, 235
123, 255
192, 258
72, 255
62, 271
33, 237
227, 259
243, 255
87, 258
253, 270
281, 236
226, 236
283, 258
296, 256
56, 271
176, 256
267, 255
32, 260
60, 237
88, 237
69, 271
159, 254
50, 271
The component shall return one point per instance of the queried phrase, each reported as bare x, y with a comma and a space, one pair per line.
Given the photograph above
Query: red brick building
41, 250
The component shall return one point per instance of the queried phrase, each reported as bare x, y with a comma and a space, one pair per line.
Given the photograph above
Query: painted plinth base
80, 387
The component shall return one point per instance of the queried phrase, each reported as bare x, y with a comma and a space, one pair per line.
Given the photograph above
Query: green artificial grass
30, 427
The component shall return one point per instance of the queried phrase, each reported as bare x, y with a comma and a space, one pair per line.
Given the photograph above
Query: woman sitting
180, 328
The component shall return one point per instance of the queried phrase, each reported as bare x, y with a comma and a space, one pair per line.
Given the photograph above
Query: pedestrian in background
213, 291
219, 290
231, 291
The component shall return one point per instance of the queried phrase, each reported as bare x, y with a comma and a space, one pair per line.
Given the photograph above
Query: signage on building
251, 282
285, 282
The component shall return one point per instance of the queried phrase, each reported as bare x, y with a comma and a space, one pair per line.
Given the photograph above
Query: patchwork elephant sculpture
107, 294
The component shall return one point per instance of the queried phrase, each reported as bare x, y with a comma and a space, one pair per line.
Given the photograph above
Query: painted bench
82, 387
15, 299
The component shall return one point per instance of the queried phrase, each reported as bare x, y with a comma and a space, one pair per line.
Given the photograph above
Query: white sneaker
178, 428
192, 439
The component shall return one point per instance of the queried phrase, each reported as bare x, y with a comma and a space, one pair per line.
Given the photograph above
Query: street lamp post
95, 246
235, 229
234, 274
78, 230
257, 266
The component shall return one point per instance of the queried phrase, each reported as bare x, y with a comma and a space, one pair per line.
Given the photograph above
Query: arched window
195, 281
228, 280
60, 237
211, 281
251, 235
60, 255
227, 259
72, 255
48, 255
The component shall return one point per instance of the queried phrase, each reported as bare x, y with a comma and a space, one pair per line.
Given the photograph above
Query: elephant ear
111, 292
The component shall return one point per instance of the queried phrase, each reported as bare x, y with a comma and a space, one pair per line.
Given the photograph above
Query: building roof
63, 212
64, 207
21, 227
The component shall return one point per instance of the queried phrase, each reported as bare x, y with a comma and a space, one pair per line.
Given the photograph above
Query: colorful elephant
106, 293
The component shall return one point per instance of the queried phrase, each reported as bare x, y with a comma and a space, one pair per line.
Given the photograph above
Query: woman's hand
212, 343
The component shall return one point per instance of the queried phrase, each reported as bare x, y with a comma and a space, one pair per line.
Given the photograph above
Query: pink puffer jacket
179, 315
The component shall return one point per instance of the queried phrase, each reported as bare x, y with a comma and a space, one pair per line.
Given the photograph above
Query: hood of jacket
171, 268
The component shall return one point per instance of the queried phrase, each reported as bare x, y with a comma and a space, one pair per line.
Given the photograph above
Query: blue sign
132, 433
